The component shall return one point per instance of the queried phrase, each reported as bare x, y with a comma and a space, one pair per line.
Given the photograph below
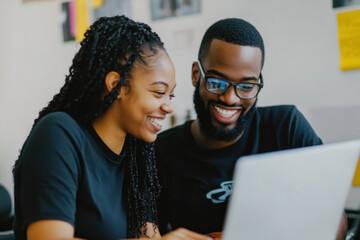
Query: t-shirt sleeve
48, 174
301, 132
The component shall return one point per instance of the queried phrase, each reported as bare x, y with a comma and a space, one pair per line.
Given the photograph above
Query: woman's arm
61, 230
184, 234
50, 230
151, 231
178, 234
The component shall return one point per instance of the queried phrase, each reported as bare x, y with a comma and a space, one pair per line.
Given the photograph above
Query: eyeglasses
244, 90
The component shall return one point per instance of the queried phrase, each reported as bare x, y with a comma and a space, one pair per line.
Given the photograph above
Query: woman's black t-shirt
66, 172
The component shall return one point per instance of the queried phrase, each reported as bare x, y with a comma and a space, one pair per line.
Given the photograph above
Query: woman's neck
109, 133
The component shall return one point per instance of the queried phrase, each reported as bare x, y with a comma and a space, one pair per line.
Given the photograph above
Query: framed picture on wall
161, 9
26, 1
343, 3
111, 8
79, 14
68, 21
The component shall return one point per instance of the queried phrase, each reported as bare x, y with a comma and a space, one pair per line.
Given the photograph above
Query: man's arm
343, 227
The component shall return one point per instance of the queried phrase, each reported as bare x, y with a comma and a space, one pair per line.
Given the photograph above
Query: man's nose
229, 97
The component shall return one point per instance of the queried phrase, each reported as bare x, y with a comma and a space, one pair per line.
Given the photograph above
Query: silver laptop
296, 194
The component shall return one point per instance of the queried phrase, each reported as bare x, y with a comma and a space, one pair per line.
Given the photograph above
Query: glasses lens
247, 90
217, 86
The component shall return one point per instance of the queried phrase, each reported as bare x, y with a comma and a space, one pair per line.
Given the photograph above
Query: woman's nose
167, 107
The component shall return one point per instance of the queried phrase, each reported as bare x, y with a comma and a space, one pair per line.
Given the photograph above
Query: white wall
33, 64
301, 66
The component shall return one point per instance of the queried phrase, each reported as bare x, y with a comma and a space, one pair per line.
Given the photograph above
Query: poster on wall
344, 3
27, 1
356, 180
68, 26
111, 8
75, 20
161, 9
79, 14
349, 35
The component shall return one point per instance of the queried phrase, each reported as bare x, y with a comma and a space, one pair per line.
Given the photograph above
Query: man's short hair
232, 30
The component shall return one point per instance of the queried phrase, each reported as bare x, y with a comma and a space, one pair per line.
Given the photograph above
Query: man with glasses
197, 159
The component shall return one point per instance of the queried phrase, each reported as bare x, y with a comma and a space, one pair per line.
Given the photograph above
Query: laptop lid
292, 194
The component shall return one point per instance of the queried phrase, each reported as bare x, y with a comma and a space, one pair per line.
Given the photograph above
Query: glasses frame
206, 77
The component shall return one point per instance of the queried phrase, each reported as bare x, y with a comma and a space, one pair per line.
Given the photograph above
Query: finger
215, 235
192, 235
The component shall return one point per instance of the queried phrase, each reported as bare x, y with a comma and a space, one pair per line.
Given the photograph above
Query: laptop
296, 194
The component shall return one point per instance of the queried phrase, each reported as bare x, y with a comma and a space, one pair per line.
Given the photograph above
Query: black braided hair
232, 30
114, 44
111, 44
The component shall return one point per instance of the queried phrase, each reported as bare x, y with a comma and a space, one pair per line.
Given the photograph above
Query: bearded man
197, 159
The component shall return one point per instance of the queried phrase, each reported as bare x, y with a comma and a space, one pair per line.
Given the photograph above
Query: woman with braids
87, 169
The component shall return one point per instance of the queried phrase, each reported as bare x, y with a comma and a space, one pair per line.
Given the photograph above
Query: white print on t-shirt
215, 195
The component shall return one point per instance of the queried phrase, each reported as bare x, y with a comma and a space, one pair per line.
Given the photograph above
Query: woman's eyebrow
160, 82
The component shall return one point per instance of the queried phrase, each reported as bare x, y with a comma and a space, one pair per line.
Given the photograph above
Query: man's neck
207, 142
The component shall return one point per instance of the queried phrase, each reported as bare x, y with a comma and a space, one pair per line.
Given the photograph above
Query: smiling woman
146, 100
87, 168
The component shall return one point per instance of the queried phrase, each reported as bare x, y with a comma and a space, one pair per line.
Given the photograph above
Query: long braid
133, 187
143, 193
113, 44
152, 178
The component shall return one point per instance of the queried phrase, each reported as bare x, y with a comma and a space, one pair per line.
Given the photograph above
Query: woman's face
144, 102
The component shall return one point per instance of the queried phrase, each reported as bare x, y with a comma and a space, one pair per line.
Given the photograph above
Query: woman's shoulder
59, 124
56, 138
57, 117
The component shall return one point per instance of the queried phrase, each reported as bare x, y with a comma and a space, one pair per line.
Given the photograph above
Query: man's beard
219, 133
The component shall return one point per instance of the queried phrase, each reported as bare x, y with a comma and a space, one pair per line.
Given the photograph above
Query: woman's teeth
157, 121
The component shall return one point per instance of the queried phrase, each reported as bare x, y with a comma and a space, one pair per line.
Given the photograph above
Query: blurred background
302, 63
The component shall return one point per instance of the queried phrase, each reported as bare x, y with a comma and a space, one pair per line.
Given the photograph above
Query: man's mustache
224, 104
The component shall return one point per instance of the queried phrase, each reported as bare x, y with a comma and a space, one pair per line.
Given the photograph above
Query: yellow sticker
349, 39
356, 180
97, 3
81, 19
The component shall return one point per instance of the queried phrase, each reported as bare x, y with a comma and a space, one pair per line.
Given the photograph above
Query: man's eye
246, 87
160, 93
216, 84
172, 96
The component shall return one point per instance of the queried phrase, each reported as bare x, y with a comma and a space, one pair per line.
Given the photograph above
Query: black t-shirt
66, 172
197, 182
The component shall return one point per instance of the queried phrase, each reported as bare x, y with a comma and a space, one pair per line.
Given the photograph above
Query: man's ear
195, 73
111, 80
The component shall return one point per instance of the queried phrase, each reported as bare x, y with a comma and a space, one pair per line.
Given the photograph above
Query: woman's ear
111, 80
195, 73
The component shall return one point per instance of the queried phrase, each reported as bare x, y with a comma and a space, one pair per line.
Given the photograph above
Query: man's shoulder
287, 122
277, 109
175, 132
276, 112
280, 116
172, 141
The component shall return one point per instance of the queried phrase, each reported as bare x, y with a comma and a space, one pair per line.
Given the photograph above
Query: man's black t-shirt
197, 182
66, 172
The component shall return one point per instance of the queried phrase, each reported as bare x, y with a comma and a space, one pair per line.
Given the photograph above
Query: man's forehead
221, 52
